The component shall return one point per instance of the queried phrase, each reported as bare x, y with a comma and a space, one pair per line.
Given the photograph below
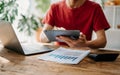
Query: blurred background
26, 16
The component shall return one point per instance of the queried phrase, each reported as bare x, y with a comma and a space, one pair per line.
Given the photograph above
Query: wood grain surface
12, 63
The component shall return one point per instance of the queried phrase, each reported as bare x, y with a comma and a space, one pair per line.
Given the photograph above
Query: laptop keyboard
28, 48
35, 47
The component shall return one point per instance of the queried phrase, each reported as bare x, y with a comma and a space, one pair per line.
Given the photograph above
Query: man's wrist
88, 43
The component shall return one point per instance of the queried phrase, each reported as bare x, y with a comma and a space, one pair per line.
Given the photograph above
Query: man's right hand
43, 37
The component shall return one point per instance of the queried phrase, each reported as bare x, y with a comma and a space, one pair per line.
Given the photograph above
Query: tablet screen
52, 34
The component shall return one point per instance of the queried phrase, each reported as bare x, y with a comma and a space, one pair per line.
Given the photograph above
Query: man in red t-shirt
83, 15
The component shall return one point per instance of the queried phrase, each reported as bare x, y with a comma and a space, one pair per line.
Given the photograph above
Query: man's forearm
96, 43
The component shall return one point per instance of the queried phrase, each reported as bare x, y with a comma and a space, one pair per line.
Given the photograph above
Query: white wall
113, 39
112, 14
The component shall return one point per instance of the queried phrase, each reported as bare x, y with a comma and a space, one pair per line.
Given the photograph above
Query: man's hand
43, 37
81, 42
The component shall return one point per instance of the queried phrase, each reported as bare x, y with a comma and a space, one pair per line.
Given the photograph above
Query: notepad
65, 56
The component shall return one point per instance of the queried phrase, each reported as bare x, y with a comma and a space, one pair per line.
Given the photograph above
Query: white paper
65, 55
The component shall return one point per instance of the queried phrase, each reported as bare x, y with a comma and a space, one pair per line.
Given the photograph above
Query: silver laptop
10, 41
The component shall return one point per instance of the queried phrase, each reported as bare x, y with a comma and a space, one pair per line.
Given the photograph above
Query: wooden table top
12, 63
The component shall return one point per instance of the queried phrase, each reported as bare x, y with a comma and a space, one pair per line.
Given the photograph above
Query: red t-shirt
85, 18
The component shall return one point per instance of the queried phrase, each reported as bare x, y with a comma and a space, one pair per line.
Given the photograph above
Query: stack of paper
65, 55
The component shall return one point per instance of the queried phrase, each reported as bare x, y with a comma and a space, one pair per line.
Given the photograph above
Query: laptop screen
9, 38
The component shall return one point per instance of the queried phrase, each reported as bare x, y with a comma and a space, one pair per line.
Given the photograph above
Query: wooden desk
12, 63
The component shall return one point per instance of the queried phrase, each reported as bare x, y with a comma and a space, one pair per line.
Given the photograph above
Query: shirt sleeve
49, 17
100, 21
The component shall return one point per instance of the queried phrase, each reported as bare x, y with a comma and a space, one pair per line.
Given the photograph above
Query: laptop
10, 41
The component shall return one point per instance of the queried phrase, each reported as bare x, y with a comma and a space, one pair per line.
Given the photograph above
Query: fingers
43, 38
67, 40
82, 37
73, 43
59, 28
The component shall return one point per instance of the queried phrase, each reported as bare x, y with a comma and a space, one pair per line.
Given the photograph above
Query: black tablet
52, 34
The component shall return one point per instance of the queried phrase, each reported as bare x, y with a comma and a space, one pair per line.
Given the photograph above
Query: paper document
65, 55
